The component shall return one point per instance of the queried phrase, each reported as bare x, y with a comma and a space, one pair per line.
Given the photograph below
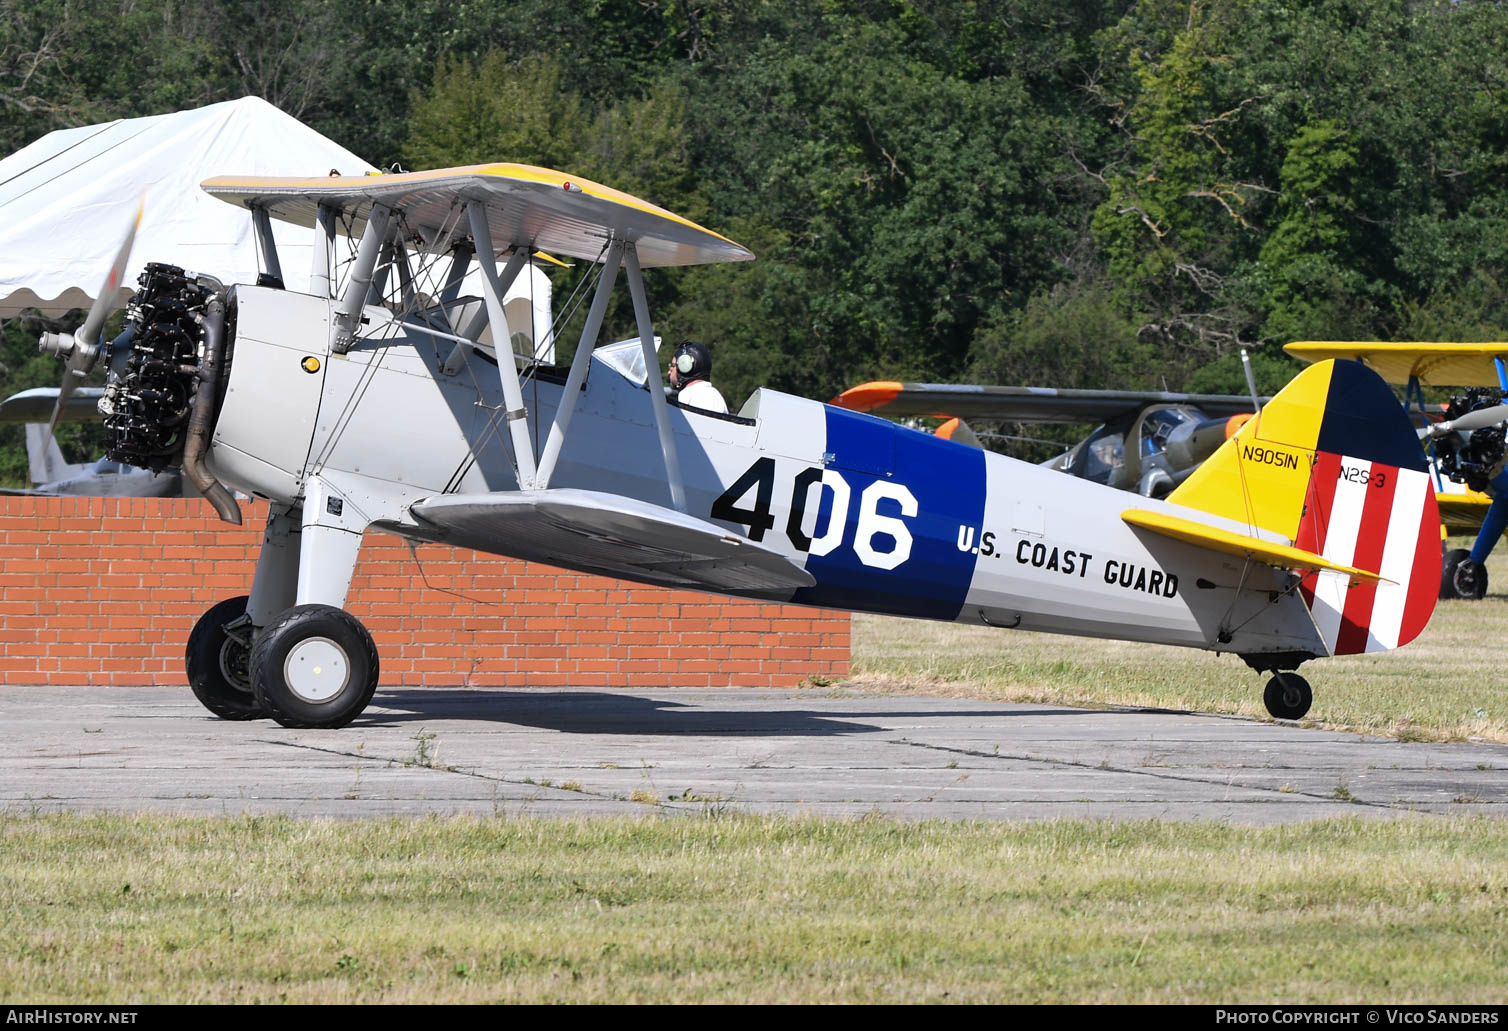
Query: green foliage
1270, 367
1317, 257
1177, 219
1476, 309
1066, 337
474, 113
1101, 193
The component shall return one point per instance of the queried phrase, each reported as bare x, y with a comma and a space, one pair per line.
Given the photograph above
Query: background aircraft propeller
1468, 422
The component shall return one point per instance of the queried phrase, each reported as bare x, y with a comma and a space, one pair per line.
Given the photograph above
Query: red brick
142, 570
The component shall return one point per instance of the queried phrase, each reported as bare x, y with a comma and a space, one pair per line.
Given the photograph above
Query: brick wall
105, 591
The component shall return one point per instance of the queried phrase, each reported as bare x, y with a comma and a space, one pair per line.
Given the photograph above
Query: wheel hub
1466, 578
316, 669
235, 665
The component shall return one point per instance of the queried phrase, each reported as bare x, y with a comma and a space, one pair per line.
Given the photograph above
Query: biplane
1145, 441
1466, 440
375, 403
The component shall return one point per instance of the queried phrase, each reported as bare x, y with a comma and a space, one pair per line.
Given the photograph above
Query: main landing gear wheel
1460, 577
314, 666
1288, 696
219, 664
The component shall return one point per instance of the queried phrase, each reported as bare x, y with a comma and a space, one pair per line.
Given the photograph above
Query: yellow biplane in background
1466, 439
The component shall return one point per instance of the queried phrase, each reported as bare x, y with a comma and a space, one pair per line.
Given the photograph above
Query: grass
152, 908
1446, 685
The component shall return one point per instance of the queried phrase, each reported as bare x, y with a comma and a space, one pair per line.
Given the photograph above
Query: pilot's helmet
692, 360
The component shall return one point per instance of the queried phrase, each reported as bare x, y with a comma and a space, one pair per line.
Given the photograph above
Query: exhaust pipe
196, 443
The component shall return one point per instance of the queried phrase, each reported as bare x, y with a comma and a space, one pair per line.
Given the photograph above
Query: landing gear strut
1288, 696
290, 651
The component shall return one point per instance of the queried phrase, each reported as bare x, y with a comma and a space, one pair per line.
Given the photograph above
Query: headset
693, 361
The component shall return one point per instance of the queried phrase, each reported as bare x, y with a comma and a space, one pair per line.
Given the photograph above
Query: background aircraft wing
1023, 404
613, 536
553, 211
1446, 365
36, 405
1462, 514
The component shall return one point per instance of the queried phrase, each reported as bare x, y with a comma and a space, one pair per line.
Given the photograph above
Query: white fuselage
886, 519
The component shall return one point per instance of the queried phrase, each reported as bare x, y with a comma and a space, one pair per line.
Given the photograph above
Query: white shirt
701, 394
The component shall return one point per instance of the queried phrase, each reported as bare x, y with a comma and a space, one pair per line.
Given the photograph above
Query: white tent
67, 199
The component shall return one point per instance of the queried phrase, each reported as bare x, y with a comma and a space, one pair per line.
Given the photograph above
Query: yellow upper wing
1437, 364
556, 212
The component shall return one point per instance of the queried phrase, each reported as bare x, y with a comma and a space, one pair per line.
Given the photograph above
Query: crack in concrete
1100, 768
478, 775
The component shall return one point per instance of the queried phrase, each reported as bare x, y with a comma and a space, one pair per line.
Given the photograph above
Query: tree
1178, 216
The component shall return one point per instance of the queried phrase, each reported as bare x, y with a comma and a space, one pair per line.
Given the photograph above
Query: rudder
1333, 465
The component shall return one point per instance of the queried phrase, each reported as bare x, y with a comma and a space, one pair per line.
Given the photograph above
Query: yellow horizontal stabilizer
1440, 364
1281, 555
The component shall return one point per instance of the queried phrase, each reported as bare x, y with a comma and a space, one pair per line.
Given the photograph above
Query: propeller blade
82, 349
79, 363
1468, 422
105, 299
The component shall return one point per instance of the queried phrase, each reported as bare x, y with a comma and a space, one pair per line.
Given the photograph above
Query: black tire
1460, 577
314, 666
1288, 696
219, 667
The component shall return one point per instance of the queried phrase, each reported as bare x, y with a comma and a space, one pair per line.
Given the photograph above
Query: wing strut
494, 287
348, 311
322, 267
572, 393
263, 226
656, 393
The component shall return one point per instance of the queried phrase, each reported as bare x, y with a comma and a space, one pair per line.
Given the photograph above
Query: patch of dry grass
151, 908
1446, 685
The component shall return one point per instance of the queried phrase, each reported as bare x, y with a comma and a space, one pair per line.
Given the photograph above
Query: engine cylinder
149, 396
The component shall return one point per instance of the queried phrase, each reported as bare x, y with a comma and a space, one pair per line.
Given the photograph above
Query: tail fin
44, 458
1333, 466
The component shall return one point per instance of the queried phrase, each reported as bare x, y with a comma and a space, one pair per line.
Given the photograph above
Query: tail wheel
314, 666
1288, 696
219, 663
1460, 577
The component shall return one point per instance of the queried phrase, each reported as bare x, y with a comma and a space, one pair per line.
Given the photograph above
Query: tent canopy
67, 199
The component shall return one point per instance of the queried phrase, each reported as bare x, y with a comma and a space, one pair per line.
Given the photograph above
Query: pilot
691, 377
